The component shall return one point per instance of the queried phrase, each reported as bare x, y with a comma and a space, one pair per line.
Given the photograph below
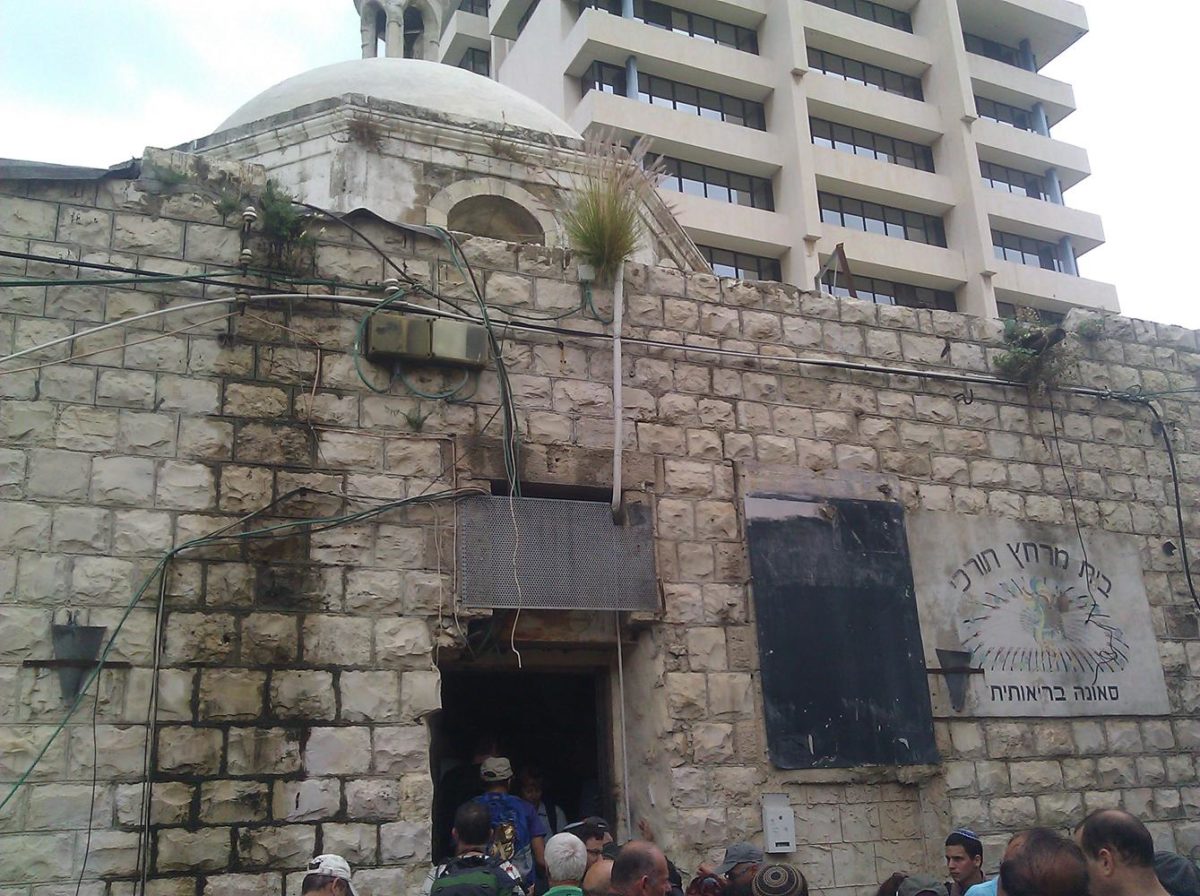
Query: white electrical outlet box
779, 823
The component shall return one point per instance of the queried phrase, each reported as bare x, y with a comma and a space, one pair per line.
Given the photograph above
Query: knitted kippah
779, 880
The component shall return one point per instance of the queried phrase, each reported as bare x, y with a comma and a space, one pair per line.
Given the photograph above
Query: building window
874, 146
1010, 180
1014, 116
478, 7
526, 16
875, 12
717, 183
660, 15
871, 217
657, 91
864, 73
740, 265
477, 61
888, 292
981, 46
605, 78
1026, 250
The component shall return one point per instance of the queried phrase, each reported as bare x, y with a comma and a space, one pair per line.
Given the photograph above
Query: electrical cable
1183, 548
87, 843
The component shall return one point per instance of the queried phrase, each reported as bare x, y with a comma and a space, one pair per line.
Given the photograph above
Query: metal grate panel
570, 555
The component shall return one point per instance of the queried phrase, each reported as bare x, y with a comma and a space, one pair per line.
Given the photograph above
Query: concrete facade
545, 50
299, 675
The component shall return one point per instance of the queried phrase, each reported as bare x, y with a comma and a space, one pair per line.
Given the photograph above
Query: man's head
964, 857
496, 773
531, 785
779, 880
1042, 863
566, 859
472, 826
597, 880
1118, 848
595, 834
328, 875
640, 869
739, 866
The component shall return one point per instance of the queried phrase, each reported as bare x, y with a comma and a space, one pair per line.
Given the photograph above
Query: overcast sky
92, 83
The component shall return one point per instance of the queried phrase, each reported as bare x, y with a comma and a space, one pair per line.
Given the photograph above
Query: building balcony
600, 36
676, 133
736, 227
1022, 284
873, 180
864, 40
890, 258
1027, 151
870, 109
1008, 84
505, 15
1043, 220
464, 31
1050, 26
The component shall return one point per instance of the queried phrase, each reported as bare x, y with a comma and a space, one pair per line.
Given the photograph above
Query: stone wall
297, 672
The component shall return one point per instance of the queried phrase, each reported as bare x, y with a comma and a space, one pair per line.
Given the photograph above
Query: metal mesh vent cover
570, 556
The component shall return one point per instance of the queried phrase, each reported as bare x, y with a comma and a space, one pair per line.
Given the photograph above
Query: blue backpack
511, 836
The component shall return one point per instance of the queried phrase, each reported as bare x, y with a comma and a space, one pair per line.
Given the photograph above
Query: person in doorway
1042, 862
472, 872
1119, 851
517, 835
964, 861
327, 875
597, 880
595, 834
531, 787
456, 786
566, 862
741, 863
640, 869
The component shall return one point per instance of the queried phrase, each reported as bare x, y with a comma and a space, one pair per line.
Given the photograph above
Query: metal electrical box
393, 336
779, 823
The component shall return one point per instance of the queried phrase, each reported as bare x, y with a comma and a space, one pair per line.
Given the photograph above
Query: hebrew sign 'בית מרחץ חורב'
1057, 628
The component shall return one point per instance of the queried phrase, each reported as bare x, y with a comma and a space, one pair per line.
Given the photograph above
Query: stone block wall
296, 673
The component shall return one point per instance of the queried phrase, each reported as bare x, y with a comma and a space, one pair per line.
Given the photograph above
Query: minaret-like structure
403, 29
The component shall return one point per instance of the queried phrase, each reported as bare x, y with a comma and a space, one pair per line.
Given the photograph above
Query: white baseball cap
332, 866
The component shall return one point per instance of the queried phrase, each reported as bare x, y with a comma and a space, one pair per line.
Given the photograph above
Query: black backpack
474, 876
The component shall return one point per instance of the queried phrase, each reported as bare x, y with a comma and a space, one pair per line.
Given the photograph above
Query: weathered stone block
274, 847
372, 798
206, 849
228, 802
231, 694
313, 799
687, 695
186, 750
370, 696
263, 751
122, 480
400, 749
420, 694
297, 694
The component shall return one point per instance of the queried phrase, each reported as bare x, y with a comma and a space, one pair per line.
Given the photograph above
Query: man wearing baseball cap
739, 866
518, 835
328, 875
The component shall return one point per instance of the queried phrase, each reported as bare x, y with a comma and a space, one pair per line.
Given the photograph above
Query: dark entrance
556, 719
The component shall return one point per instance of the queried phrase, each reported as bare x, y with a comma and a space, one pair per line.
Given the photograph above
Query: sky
87, 82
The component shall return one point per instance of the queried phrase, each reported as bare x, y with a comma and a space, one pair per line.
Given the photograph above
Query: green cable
313, 524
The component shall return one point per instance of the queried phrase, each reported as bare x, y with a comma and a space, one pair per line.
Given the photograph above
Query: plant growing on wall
1036, 354
602, 217
291, 248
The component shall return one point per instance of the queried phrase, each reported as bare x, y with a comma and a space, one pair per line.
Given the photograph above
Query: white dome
414, 82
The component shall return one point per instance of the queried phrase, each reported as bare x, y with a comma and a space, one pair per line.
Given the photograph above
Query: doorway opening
554, 719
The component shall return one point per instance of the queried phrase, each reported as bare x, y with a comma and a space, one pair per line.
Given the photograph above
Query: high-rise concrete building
915, 134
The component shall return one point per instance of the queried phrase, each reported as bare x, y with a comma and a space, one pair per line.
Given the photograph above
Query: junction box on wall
417, 338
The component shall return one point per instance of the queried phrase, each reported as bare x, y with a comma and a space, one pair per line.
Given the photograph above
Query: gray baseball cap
738, 854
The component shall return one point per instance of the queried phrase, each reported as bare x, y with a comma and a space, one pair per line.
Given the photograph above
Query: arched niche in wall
495, 209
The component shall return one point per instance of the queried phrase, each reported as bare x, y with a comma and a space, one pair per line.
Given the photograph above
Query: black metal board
843, 670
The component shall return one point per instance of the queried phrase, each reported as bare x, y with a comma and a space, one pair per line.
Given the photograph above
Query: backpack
474, 876
511, 835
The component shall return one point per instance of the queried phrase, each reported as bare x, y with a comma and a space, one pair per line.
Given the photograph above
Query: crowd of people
503, 846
